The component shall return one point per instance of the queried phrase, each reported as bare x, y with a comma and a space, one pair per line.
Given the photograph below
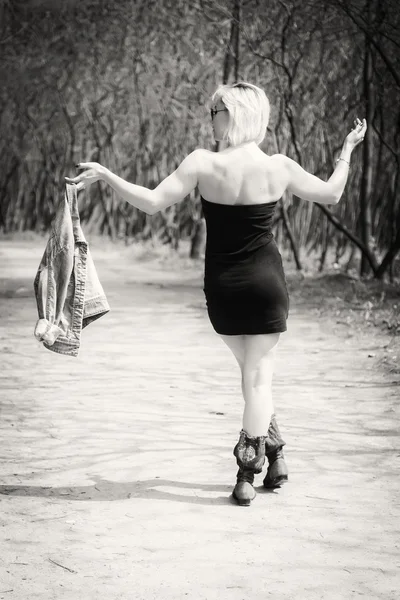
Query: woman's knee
254, 376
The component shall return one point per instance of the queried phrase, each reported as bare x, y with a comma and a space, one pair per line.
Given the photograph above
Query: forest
127, 83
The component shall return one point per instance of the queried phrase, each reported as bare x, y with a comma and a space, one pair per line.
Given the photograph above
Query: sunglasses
214, 111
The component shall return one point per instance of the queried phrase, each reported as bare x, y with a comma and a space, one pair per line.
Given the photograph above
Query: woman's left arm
171, 190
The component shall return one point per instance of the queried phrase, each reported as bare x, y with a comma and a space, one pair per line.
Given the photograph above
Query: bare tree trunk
325, 247
237, 13
232, 56
388, 259
366, 180
390, 256
198, 239
350, 262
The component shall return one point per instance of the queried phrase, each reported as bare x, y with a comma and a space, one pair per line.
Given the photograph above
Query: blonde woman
244, 281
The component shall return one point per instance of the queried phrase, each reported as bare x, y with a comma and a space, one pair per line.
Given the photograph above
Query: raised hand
357, 134
94, 172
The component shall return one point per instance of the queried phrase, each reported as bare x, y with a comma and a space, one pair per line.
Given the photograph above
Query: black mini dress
244, 281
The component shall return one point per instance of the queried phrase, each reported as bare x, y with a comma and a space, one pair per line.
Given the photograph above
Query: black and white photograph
199, 299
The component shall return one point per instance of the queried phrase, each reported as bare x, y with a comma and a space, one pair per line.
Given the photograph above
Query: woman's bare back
244, 175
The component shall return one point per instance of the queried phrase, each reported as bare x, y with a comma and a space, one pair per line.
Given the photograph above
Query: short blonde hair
248, 108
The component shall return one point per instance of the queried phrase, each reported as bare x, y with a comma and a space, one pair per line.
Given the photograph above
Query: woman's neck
243, 146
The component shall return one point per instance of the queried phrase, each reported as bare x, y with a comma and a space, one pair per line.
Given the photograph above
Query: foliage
126, 83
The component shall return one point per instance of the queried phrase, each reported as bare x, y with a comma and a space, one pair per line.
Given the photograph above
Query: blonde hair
248, 108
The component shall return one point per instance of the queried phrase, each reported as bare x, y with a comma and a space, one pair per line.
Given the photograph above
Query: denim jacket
68, 292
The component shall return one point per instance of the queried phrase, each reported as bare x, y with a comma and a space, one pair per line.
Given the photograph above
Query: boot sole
277, 482
246, 502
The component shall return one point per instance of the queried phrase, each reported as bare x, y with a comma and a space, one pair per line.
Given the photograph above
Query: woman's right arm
309, 187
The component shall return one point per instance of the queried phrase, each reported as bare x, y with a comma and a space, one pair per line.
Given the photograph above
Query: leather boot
243, 492
250, 457
277, 473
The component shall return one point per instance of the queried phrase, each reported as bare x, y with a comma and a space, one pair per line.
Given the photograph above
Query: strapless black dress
244, 281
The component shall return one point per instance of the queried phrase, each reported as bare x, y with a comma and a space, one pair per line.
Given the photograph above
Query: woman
244, 282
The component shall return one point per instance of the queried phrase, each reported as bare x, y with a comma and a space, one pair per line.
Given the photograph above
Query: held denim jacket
68, 292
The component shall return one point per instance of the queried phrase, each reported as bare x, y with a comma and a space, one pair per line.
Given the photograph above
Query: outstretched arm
171, 190
309, 187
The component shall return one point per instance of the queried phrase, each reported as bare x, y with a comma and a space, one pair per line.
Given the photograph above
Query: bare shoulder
193, 162
288, 167
203, 153
201, 158
287, 163
279, 160
280, 165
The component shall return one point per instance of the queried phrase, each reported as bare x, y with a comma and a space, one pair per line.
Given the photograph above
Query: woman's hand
93, 173
357, 134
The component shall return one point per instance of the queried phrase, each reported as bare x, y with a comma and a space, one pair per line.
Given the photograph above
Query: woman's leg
258, 367
258, 417
236, 344
255, 356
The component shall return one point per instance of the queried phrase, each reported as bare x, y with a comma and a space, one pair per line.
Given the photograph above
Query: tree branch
344, 6
339, 225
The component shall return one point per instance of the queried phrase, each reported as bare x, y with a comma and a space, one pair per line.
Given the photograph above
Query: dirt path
117, 466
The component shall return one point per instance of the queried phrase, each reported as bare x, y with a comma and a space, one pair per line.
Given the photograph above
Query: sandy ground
117, 466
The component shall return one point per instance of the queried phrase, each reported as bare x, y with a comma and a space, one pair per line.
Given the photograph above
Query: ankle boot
277, 473
250, 457
243, 492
